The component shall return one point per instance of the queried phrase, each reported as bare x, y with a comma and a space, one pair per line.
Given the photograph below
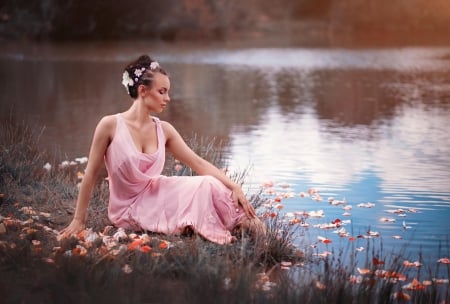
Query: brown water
367, 125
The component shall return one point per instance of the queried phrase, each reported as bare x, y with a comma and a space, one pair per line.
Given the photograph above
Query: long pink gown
142, 198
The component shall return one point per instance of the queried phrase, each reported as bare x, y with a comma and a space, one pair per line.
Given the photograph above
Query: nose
167, 98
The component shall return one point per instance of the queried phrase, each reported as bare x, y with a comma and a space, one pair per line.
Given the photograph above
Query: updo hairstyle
140, 71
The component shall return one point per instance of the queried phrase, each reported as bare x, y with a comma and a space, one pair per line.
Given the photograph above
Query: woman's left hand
240, 200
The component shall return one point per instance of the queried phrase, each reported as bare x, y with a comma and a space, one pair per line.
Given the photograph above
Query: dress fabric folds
142, 198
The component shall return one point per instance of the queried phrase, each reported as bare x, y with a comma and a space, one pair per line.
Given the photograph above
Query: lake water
360, 125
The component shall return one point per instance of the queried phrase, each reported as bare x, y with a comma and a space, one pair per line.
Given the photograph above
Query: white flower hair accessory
139, 72
127, 81
154, 65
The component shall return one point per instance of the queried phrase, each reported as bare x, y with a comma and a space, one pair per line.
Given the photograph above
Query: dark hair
142, 64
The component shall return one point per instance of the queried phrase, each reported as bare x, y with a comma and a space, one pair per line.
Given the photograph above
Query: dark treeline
172, 20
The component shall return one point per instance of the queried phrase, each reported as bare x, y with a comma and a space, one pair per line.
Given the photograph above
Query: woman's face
156, 97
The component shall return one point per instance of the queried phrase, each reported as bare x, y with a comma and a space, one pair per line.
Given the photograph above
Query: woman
133, 145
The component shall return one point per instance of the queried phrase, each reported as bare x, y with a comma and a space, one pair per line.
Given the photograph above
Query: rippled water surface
367, 125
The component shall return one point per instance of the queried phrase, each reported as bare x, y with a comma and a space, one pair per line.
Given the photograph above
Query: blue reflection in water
399, 162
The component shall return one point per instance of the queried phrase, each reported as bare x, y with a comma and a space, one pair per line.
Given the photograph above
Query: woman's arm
102, 137
176, 145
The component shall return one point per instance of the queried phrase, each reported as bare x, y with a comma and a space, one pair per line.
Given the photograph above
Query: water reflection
367, 125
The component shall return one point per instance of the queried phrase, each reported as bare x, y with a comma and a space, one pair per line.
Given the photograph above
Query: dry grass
35, 267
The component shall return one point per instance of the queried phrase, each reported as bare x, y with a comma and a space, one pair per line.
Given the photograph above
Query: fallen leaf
145, 248
135, 244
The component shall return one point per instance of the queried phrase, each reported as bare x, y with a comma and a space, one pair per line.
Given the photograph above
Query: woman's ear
142, 89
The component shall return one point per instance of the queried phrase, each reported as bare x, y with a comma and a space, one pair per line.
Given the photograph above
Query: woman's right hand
74, 227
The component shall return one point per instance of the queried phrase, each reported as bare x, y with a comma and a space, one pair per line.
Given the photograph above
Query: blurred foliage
72, 19
209, 19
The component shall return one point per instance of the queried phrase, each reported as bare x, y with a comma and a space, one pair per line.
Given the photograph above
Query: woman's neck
137, 112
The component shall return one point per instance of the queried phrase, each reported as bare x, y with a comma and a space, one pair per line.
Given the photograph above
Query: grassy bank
108, 265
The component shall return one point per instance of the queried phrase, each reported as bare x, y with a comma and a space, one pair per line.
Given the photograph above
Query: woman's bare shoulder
109, 120
107, 124
167, 126
169, 130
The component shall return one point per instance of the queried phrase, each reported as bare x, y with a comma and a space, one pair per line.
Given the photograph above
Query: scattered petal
401, 296
366, 205
267, 184
323, 240
91, 236
441, 281
323, 254
109, 242
79, 250
363, 271
414, 285
320, 285
286, 264
164, 244
387, 219
120, 234
444, 261
45, 214
49, 261
81, 160
127, 269
47, 166
407, 263
28, 210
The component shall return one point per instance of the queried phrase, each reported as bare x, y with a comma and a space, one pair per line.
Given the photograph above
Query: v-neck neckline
132, 140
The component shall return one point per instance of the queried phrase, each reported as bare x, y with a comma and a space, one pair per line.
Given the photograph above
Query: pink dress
142, 198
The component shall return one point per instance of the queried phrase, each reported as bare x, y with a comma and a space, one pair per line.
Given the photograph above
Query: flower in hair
138, 72
154, 65
126, 80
